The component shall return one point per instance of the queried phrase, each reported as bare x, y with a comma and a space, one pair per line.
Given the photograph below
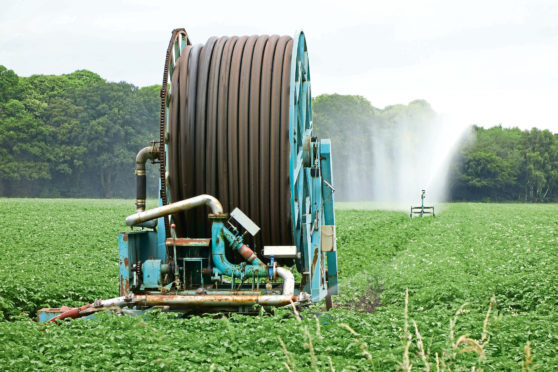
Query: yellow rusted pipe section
213, 300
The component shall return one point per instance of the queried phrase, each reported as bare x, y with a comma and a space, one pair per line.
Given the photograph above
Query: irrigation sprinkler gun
245, 188
422, 210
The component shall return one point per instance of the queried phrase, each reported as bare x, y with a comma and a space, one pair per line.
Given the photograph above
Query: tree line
76, 135
73, 135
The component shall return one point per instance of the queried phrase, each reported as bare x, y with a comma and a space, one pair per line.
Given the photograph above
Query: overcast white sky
486, 62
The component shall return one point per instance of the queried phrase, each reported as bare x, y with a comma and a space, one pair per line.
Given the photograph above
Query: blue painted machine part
152, 273
219, 233
270, 268
133, 247
329, 213
311, 207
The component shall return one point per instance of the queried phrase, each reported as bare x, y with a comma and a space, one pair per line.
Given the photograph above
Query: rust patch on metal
126, 262
247, 253
187, 242
322, 268
125, 237
331, 276
303, 282
124, 286
314, 262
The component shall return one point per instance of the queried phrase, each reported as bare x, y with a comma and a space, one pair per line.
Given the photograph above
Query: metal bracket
329, 185
280, 251
245, 221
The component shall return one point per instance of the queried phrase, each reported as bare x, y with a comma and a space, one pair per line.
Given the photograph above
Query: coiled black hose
229, 132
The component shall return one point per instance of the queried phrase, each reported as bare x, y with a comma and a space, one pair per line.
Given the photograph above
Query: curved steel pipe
116, 301
145, 154
172, 208
222, 265
245, 251
288, 280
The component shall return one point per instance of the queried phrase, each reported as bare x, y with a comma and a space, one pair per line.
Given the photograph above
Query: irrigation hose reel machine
246, 189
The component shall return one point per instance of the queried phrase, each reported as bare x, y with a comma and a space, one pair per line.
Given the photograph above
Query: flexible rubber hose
229, 133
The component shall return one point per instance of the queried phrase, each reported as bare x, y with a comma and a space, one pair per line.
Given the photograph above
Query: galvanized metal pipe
145, 154
177, 207
117, 301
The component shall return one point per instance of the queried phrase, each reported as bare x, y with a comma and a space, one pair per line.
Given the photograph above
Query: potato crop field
475, 288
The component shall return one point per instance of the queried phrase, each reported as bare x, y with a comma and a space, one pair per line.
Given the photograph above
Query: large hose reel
236, 121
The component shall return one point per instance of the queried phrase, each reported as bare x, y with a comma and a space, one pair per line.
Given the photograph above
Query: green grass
64, 252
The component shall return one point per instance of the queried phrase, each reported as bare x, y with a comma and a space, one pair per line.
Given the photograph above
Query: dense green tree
9, 85
22, 145
72, 135
540, 173
486, 174
508, 164
115, 121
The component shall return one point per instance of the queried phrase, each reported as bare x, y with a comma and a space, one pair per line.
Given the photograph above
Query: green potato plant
474, 288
